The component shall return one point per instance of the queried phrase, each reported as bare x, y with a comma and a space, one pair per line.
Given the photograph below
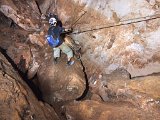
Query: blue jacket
56, 32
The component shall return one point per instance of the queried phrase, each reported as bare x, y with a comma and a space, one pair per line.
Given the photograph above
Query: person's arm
63, 30
68, 30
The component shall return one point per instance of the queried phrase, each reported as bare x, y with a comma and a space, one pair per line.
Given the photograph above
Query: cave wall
26, 14
134, 47
17, 100
32, 55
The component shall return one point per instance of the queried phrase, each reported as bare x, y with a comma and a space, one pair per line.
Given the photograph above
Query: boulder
93, 110
148, 86
46, 5
118, 84
59, 82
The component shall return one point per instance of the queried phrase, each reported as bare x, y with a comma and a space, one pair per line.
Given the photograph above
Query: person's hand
68, 30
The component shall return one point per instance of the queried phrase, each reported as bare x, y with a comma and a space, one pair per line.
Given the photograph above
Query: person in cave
55, 39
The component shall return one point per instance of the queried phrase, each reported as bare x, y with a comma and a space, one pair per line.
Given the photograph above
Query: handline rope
125, 22
73, 24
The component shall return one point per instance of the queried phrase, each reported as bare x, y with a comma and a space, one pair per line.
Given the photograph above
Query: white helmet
52, 21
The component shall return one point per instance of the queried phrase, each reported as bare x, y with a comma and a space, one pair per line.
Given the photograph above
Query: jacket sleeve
61, 29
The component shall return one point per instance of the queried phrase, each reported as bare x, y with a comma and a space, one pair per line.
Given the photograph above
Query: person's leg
56, 53
74, 46
68, 51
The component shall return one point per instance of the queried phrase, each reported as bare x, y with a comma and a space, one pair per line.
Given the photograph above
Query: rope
125, 22
73, 24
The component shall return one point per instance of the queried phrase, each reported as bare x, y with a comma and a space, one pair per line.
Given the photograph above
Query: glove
68, 30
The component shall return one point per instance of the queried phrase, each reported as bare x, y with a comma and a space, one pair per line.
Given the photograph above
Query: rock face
16, 100
118, 84
124, 100
93, 110
111, 57
13, 40
59, 82
30, 51
26, 14
134, 47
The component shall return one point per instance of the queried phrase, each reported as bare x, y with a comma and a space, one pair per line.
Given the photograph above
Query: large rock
22, 47
26, 14
93, 110
59, 82
117, 87
148, 85
13, 40
46, 5
17, 100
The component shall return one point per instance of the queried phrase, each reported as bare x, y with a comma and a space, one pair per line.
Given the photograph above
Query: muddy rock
26, 14
17, 100
98, 83
14, 42
37, 39
21, 55
99, 87
47, 5
142, 91
59, 82
11, 34
24, 48
93, 110
118, 84
118, 74
148, 85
